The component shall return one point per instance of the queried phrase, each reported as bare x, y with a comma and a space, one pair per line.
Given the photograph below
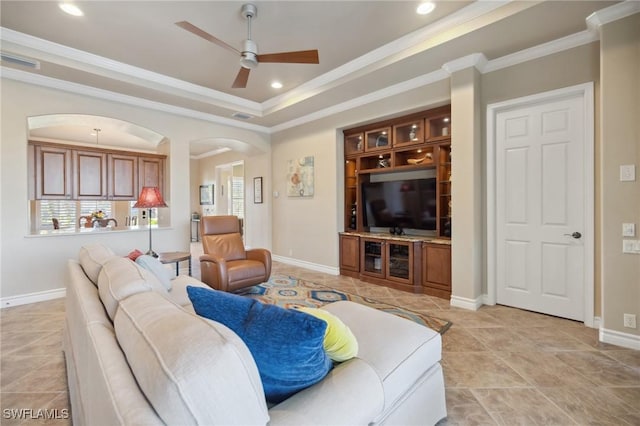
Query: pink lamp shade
149, 198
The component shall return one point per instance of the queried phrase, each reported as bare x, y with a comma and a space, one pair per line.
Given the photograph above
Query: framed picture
300, 179
257, 190
206, 194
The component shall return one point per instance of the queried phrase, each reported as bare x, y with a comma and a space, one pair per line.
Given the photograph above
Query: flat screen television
407, 203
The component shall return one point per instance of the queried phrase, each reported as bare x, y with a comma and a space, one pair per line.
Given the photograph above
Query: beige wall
467, 220
306, 229
620, 93
32, 264
257, 225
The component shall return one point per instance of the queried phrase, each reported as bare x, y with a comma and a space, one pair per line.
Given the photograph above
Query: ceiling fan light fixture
71, 9
425, 8
249, 60
249, 55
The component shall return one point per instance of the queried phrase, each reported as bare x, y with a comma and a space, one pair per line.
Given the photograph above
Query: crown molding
612, 13
88, 62
408, 45
378, 95
80, 89
475, 60
541, 50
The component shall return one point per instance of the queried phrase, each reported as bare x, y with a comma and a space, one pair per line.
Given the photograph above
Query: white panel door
539, 208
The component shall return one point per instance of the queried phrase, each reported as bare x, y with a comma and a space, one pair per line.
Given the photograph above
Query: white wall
35, 264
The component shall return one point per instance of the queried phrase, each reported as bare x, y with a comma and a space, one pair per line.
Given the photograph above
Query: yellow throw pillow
339, 342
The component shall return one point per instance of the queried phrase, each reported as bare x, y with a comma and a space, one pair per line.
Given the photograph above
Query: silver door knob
575, 235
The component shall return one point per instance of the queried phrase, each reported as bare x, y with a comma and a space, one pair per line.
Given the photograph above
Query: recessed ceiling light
425, 8
71, 9
276, 85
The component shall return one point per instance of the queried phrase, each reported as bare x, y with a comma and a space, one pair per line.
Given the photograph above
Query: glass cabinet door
373, 257
400, 261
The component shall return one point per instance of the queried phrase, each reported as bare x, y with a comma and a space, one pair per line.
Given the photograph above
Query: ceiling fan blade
241, 79
205, 35
298, 57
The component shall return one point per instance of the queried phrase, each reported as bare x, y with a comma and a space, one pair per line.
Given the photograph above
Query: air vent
241, 115
20, 60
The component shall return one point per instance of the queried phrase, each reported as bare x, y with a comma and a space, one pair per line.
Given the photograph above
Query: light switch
627, 173
628, 229
628, 246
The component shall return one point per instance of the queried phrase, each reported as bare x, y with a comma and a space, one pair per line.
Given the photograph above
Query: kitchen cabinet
69, 172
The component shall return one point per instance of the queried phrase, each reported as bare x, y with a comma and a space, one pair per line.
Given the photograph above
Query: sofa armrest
350, 394
213, 272
261, 255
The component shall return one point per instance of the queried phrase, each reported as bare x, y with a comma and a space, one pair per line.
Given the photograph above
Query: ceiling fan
249, 57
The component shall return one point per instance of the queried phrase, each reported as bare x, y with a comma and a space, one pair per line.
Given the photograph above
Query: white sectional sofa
137, 354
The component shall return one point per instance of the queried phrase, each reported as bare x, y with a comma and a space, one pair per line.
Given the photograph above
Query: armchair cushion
227, 246
286, 345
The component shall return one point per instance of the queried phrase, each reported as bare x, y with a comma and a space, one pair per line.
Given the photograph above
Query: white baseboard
465, 303
24, 299
626, 340
306, 265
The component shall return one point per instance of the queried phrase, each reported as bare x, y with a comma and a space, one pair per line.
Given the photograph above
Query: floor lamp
150, 198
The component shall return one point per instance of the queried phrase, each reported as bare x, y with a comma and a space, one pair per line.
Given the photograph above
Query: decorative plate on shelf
382, 140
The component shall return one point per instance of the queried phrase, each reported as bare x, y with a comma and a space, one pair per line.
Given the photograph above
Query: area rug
290, 292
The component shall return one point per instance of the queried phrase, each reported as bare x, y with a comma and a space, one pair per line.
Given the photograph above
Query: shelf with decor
350, 193
408, 133
439, 126
419, 156
377, 139
380, 162
444, 190
353, 144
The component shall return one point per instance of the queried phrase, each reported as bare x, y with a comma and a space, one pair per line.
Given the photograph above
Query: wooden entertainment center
404, 146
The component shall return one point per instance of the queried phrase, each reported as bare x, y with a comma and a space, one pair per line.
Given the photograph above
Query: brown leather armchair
226, 265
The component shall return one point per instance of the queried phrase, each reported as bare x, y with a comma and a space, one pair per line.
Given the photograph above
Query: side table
176, 257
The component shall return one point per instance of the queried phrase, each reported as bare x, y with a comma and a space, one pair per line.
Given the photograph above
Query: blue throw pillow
286, 345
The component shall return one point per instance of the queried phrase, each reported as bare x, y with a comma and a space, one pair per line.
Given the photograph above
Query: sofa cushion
121, 278
92, 257
415, 348
339, 342
178, 292
192, 370
287, 345
154, 266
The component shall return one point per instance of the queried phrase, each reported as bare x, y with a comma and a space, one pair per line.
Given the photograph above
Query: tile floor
502, 366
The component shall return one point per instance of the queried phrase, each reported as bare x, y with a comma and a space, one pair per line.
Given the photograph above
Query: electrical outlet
630, 320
